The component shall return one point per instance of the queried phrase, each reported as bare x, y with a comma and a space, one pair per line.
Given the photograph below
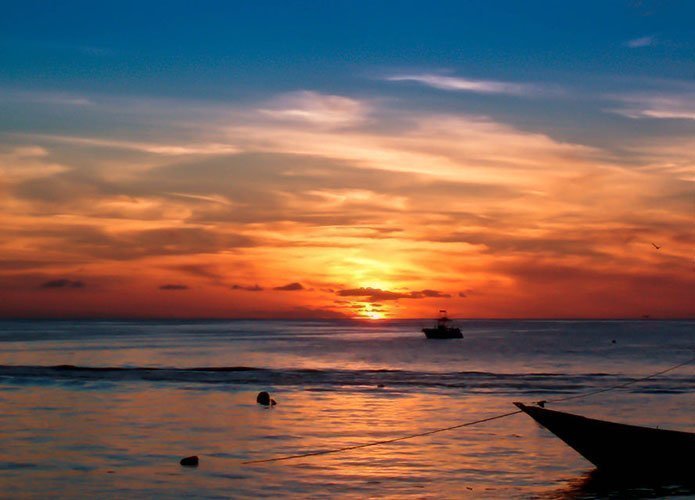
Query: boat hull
442, 333
620, 448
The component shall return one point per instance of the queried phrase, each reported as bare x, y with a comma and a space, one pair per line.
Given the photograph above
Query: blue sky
183, 46
235, 51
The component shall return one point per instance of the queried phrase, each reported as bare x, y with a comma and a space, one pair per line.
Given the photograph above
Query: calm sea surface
107, 408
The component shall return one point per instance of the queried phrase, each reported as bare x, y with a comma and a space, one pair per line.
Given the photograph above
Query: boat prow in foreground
621, 448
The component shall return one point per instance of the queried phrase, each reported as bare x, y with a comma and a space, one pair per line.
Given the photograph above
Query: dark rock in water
263, 398
273, 402
190, 461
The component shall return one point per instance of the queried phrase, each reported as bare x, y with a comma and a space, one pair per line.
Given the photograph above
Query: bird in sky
655, 246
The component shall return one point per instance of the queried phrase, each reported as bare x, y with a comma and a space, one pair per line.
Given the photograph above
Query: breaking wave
469, 381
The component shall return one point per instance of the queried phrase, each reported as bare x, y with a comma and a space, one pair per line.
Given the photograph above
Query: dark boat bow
621, 448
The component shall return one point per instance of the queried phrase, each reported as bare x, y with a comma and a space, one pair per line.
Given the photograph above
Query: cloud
93, 240
645, 41
459, 148
63, 283
454, 83
302, 312
428, 293
50, 98
462, 295
669, 157
173, 286
27, 162
205, 198
52, 45
251, 288
155, 148
374, 294
318, 109
664, 105
409, 202
498, 240
21, 264
378, 295
290, 287
200, 270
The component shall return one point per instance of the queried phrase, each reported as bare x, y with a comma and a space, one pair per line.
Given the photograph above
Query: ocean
108, 408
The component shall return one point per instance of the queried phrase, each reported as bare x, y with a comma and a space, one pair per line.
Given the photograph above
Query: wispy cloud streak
645, 41
657, 106
199, 148
48, 98
316, 108
453, 83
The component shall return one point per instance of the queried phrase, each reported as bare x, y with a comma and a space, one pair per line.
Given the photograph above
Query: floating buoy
264, 399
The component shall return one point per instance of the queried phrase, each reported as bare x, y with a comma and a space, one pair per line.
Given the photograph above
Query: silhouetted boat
442, 330
619, 448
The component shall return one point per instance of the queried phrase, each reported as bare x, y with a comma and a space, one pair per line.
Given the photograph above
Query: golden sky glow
316, 205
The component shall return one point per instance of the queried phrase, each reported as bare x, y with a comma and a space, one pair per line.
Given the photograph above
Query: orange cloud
399, 204
377, 295
173, 286
290, 287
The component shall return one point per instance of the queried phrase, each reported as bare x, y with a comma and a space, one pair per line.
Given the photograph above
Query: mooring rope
620, 386
385, 441
458, 426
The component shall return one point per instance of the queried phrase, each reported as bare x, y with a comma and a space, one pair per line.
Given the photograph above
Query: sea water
108, 408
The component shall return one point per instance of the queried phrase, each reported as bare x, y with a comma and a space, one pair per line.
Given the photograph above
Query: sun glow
374, 315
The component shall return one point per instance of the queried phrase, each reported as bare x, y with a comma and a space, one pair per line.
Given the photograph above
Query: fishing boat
442, 330
621, 449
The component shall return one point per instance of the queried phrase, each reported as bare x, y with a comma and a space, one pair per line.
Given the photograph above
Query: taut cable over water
465, 424
619, 386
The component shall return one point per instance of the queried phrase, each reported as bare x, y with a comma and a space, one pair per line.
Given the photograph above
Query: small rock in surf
190, 461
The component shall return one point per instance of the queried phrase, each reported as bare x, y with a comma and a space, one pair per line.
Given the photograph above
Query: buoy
263, 398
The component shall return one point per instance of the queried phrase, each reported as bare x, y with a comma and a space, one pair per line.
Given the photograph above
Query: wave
470, 381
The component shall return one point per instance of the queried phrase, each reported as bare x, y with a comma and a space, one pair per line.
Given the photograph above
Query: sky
347, 159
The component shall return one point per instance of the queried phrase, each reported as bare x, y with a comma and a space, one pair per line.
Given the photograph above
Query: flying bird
655, 246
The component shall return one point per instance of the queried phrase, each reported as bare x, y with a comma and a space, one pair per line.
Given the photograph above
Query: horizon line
356, 319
